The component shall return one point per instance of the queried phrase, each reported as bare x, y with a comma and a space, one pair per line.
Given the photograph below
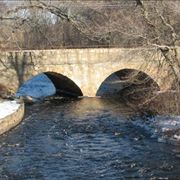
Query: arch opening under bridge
128, 83
48, 84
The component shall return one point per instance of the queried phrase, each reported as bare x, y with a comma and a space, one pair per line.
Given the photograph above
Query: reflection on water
88, 138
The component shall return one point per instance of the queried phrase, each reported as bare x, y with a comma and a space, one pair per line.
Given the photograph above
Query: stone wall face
88, 68
11, 120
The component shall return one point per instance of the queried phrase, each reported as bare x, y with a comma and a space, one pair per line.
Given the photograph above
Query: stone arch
64, 86
123, 78
159, 75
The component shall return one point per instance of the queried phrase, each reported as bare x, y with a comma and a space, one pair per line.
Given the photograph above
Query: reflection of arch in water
49, 83
124, 78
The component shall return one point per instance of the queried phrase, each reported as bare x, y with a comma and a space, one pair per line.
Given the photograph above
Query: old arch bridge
83, 71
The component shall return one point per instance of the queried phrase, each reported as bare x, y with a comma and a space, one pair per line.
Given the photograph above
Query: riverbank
161, 116
166, 129
163, 103
11, 114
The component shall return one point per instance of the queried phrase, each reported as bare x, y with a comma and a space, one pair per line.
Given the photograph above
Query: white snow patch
176, 136
7, 108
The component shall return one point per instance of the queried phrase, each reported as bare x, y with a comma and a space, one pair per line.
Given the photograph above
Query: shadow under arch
126, 79
64, 85
48, 84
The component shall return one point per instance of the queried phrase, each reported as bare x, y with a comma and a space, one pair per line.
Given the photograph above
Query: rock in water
28, 99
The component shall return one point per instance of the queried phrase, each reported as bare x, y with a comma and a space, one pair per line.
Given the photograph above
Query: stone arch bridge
86, 68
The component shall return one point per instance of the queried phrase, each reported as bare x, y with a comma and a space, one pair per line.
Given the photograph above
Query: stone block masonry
87, 68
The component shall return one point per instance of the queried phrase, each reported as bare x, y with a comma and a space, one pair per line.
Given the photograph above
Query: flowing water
88, 138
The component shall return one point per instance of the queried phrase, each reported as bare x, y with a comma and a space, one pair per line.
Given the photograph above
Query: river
90, 138
86, 138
